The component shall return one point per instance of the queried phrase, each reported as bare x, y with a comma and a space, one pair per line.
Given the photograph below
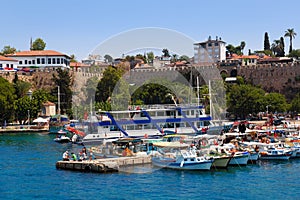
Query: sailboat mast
210, 99
198, 95
58, 99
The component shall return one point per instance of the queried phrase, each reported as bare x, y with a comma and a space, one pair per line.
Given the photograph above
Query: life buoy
88, 168
268, 141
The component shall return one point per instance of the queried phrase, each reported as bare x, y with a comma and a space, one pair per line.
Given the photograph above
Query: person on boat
84, 150
91, 156
66, 156
74, 157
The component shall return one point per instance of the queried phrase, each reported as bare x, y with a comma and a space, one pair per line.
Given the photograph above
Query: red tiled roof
37, 53
78, 64
3, 58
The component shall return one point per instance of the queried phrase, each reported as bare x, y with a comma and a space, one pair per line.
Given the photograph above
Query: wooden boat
221, 162
184, 160
275, 154
239, 158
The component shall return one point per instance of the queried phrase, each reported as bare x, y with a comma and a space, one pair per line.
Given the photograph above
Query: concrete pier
102, 165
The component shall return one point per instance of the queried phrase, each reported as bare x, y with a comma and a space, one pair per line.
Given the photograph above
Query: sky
78, 27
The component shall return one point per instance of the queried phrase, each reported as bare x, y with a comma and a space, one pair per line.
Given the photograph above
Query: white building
210, 51
41, 59
8, 63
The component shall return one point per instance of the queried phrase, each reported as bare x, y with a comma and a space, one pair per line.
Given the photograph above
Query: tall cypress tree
282, 46
266, 42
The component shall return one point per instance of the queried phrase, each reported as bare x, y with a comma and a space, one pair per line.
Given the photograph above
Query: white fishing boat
239, 158
183, 160
275, 154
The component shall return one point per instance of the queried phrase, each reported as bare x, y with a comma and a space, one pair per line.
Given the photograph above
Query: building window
53, 61
62, 61
29, 62
1, 65
58, 61
25, 62
216, 44
38, 61
209, 44
49, 60
11, 66
20, 62
43, 60
7, 65
33, 62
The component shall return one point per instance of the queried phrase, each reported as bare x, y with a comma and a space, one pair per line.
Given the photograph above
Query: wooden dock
102, 165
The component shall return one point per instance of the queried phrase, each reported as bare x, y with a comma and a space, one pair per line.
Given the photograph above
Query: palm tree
243, 44
291, 34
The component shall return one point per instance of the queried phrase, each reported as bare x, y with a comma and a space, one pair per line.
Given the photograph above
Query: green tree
153, 93
267, 42
295, 53
244, 99
166, 53
8, 50
150, 57
290, 33
277, 48
21, 87
38, 44
184, 58
276, 101
62, 79
242, 46
140, 56
174, 58
23, 108
108, 58
90, 89
106, 85
295, 104
73, 58
282, 47
7, 98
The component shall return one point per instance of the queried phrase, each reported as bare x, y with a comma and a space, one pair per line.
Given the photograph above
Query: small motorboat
275, 154
184, 160
62, 139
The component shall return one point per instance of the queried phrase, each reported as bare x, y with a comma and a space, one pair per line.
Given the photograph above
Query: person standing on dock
66, 156
74, 157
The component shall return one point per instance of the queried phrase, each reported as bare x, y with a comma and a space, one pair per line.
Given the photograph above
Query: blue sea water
27, 171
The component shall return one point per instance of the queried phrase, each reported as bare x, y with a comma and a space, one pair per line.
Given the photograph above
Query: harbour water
28, 172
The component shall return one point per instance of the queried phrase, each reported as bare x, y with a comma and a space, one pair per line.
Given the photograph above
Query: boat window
160, 113
185, 159
147, 126
114, 128
192, 159
170, 113
187, 112
130, 127
142, 114
139, 127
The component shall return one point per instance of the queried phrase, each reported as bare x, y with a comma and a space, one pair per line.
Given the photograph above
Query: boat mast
210, 99
198, 95
58, 99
